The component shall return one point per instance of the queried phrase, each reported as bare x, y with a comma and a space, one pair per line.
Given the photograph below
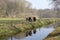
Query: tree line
22, 8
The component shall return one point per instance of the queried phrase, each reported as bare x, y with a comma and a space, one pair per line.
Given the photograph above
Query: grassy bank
55, 35
10, 27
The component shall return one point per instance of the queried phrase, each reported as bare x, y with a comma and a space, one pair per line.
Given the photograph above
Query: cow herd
30, 19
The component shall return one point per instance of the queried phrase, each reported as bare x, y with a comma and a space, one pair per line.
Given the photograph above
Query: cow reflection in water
30, 33
34, 31
22, 35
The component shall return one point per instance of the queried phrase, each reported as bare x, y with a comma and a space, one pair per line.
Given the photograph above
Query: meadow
12, 26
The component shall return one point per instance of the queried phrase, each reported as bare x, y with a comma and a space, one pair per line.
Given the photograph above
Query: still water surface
38, 34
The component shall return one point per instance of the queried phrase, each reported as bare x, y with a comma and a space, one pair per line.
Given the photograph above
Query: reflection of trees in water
4, 38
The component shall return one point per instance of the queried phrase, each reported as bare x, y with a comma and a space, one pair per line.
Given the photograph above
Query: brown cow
34, 18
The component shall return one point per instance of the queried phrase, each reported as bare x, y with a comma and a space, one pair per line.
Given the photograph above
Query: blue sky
40, 4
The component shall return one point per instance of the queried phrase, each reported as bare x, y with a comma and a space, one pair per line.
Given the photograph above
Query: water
35, 34
38, 34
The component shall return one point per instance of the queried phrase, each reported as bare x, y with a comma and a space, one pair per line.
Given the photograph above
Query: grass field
11, 26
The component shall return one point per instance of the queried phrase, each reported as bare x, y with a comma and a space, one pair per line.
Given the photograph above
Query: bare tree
14, 7
56, 4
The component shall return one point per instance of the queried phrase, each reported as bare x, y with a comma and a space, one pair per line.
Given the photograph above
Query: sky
40, 4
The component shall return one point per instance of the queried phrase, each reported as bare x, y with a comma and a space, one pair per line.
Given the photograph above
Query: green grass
11, 18
11, 26
57, 31
55, 35
53, 38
